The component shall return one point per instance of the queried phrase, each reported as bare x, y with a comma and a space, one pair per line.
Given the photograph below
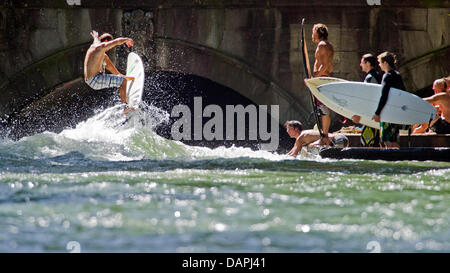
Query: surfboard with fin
135, 89
362, 99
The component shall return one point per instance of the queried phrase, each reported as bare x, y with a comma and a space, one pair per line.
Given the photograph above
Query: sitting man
441, 100
302, 137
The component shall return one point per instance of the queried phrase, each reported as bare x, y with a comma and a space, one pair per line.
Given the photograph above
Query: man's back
93, 60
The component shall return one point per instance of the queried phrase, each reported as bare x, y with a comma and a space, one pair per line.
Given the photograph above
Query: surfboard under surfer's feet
127, 110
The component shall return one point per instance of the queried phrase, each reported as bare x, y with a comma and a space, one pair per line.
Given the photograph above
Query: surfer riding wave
97, 62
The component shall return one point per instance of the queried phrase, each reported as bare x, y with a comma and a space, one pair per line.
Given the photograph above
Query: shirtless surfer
97, 62
302, 137
323, 66
441, 100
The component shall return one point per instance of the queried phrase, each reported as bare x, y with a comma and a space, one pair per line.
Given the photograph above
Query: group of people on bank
389, 133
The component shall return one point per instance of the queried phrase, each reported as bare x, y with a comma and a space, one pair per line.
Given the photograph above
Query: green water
117, 189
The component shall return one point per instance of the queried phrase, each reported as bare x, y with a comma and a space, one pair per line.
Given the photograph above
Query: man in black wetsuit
389, 132
369, 64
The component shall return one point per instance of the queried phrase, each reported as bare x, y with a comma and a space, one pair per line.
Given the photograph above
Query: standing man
323, 66
369, 64
97, 62
390, 133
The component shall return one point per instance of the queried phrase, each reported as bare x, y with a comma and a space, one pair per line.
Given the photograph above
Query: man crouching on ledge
97, 62
302, 137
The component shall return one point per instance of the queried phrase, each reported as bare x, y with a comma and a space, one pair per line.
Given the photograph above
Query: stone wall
250, 46
256, 52
43, 48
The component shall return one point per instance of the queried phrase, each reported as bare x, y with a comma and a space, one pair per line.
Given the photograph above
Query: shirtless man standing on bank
323, 66
97, 62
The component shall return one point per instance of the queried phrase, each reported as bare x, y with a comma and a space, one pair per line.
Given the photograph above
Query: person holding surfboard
390, 133
369, 136
323, 66
97, 62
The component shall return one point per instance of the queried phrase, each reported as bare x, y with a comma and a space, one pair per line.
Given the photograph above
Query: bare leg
123, 95
392, 145
326, 121
123, 91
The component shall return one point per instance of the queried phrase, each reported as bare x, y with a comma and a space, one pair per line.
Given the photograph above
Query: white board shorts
323, 110
102, 81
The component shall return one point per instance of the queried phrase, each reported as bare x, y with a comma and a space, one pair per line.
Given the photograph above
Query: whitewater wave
111, 136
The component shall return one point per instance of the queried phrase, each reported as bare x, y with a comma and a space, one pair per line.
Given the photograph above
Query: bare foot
127, 110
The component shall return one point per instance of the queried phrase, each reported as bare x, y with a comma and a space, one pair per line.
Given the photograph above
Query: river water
113, 187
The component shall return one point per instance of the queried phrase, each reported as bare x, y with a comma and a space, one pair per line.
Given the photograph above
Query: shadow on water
76, 162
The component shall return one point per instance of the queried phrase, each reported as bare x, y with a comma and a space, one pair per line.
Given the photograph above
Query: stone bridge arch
210, 63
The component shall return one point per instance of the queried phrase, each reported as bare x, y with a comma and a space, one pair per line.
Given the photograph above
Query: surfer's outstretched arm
119, 41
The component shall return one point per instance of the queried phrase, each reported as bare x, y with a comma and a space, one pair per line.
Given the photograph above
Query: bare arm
119, 41
296, 149
435, 99
110, 66
420, 128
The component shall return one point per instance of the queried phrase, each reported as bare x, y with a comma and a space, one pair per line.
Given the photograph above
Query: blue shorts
102, 81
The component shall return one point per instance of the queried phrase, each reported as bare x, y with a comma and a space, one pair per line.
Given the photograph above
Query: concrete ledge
420, 140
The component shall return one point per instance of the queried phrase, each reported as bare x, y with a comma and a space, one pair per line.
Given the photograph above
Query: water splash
111, 136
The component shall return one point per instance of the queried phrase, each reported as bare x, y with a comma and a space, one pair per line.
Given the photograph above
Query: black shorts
441, 127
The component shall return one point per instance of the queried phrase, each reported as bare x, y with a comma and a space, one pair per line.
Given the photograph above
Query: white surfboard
313, 85
362, 99
135, 68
